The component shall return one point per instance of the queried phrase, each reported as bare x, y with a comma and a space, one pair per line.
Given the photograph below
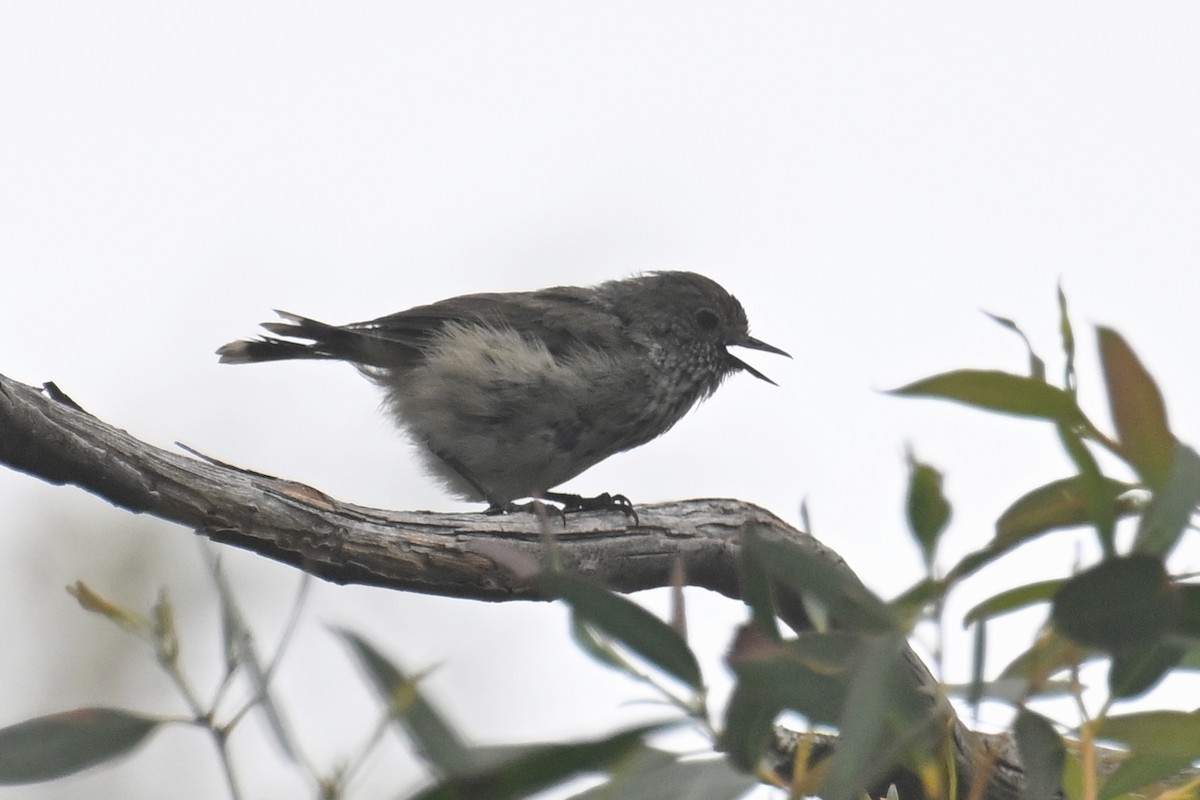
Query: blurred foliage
850, 675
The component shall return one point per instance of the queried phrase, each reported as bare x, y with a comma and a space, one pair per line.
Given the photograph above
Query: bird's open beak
755, 344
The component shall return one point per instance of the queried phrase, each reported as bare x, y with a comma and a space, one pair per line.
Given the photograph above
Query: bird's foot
574, 503
571, 504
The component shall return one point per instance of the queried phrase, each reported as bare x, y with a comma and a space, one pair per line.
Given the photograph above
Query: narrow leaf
61, 744
1093, 489
1037, 367
1140, 771
434, 737
927, 508
241, 651
973, 562
1170, 508
747, 731
909, 606
1067, 333
1042, 754
659, 775
1136, 670
885, 720
540, 769
627, 622
1189, 612
1013, 600
1137, 410
598, 646
807, 675
755, 589
998, 391
1163, 744
809, 572
1165, 732
1059, 504
1049, 655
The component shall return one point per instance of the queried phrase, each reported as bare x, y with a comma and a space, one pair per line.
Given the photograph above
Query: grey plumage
509, 395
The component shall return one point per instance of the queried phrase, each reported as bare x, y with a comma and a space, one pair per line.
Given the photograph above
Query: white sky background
864, 178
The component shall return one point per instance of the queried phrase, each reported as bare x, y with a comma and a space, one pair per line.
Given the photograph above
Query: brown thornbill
509, 395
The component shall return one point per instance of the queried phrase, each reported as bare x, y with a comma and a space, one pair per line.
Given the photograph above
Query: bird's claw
571, 504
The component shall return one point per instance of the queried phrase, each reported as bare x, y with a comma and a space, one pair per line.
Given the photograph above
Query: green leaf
1163, 744
627, 622
1042, 754
62, 744
541, 769
927, 507
1189, 612
1092, 488
1121, 603
1013, 599
1136, 670
999, 391
1168, 733
1137, 410
1049, 655
659, 775
1059, 504
885, 720
755, 590
807, 675
909, 606
973, 562
1073, 777
240, 650
811, 573
1037, 367
599, 647
1190, 660
1067, 334
1170, 508
435, 738
748, 720
1139, 771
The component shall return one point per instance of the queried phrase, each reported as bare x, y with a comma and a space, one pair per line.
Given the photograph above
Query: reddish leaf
1137, 410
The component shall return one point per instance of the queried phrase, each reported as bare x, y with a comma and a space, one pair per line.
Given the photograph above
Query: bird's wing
565, 319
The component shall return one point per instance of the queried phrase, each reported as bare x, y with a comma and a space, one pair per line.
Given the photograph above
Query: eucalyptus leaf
540, 769
628, 623
61, 744
1137, 409
435, 738
1042, 755
999, 391
1119, 604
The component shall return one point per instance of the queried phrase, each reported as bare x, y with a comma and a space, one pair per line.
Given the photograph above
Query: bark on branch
46, 435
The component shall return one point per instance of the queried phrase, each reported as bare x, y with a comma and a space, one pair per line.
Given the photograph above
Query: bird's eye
707, 319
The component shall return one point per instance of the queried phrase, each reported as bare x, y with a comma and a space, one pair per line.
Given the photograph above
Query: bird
509, 395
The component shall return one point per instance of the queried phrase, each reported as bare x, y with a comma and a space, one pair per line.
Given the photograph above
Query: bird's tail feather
324, 341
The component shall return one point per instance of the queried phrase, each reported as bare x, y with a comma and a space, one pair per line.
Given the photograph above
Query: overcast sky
865, 178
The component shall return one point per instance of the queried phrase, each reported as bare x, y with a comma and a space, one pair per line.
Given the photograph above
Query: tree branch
45, 434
